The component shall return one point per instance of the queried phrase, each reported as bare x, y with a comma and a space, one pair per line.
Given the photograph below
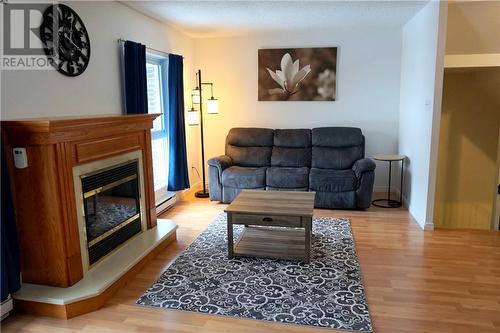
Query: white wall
420, 103
32, 94
368, 74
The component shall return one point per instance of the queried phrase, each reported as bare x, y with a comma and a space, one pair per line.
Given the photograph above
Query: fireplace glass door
111, 202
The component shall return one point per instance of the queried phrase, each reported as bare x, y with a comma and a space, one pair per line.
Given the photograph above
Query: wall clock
65, 40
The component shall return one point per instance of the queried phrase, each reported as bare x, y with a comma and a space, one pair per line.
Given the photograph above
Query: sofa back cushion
292, 148
292, 138
250, 147
336, 147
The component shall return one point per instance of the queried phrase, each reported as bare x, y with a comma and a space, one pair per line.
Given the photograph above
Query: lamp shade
195, 96
193, 117
213, 105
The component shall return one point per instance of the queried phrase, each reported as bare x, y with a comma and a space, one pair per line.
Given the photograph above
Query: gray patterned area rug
326, 293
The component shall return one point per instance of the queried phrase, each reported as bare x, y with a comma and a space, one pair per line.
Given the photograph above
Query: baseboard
406, 203
383, 188
394, 191
182, 195
404, 200
429, 226
379, 188
426, 225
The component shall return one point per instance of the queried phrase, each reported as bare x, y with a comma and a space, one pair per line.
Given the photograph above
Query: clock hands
65, 39
71, 41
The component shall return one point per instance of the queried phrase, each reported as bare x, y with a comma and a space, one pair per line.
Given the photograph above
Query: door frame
495, 217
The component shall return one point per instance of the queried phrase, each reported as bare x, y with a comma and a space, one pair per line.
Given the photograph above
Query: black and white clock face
65, 40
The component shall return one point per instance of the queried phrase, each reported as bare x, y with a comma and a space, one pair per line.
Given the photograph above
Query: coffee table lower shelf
280, 243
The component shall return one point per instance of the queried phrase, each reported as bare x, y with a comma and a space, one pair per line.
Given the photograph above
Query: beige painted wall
467, 162
473, 27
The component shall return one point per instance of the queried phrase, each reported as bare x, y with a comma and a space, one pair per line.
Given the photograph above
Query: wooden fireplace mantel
44, 196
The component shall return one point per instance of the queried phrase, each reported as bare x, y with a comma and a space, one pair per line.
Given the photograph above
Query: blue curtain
10, 275
178, 167
134, 72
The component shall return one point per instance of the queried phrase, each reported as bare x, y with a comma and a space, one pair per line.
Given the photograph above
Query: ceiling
228, 18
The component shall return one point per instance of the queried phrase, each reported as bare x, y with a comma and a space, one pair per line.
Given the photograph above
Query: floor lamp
196, 118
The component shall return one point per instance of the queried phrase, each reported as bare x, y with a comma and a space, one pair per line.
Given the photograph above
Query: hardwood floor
440, 281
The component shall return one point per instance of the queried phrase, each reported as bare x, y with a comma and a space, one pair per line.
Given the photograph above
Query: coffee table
278, 224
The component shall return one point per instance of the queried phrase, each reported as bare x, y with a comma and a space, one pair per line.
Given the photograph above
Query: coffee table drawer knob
267, 220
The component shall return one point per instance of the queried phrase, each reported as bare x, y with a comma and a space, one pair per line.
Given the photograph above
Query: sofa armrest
216, 166
363, 165
364, 170
220, 162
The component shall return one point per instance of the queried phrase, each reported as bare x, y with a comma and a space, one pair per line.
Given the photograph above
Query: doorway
468, 167
495, 223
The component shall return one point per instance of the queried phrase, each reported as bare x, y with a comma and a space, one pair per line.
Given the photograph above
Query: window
157, 71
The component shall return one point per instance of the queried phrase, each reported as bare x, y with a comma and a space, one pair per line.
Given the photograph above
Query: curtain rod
121, 40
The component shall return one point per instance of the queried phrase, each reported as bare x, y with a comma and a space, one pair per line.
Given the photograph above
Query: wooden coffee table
278, 224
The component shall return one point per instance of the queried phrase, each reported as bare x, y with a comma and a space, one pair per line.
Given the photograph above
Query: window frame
162, 63
162, 195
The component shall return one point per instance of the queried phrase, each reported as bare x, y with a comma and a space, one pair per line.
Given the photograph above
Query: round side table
390, 203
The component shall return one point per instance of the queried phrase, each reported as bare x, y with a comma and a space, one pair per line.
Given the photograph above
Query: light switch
428, 105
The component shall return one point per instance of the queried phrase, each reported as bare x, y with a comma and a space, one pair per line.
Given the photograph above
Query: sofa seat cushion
287, 177
328, 180
240, 177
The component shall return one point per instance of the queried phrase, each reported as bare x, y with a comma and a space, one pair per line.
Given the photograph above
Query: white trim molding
428, 226
189, 192
472, 60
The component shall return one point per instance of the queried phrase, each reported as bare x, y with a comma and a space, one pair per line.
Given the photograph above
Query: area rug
326, 293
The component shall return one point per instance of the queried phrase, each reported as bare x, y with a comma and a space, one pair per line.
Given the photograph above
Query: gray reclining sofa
327, 160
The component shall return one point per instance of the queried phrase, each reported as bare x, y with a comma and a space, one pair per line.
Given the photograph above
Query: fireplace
111, 207
109, 204
60, 200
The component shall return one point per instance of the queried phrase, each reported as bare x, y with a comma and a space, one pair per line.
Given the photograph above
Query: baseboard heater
6, 307
164, 205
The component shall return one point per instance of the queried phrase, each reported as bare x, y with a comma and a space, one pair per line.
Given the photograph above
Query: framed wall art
299, 74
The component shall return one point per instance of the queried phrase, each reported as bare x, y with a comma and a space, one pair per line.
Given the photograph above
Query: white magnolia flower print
289, 76
326, 84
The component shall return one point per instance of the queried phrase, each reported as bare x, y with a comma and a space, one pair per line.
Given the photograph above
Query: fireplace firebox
111, 207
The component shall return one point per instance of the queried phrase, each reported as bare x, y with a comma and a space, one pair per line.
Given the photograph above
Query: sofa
328, 160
